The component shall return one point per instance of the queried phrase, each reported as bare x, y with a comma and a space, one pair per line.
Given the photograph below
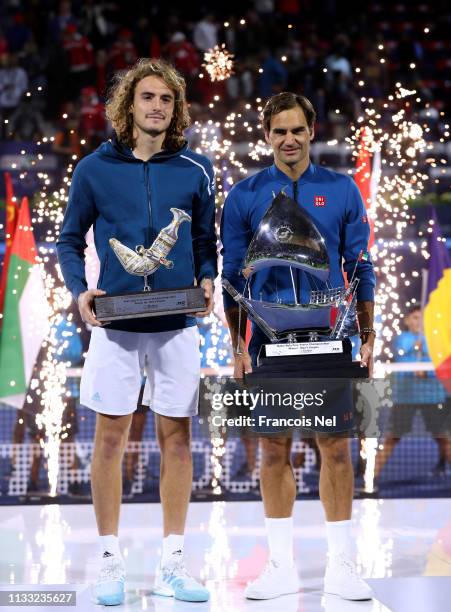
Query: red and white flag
367, 177
12, 212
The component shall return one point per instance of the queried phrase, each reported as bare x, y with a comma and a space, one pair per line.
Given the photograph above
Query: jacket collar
306, 177
119, 149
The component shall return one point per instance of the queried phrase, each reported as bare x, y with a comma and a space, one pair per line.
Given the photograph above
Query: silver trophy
144, 262
287, 236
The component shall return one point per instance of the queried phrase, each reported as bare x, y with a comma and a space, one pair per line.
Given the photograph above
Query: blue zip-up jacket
129, 199
334, 204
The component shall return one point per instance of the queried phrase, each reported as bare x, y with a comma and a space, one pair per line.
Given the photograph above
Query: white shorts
111, 378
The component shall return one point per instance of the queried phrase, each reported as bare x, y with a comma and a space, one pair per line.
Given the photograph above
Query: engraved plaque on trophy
144, 262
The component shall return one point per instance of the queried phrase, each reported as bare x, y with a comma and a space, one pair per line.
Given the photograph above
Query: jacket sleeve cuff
77, 289
206, 271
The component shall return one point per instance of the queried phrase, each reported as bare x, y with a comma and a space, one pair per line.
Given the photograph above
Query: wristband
365, 332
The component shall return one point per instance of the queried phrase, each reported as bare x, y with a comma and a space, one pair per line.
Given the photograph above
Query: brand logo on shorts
96, 397
320, 200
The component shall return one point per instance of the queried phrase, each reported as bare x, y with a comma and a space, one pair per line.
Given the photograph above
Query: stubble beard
154, 133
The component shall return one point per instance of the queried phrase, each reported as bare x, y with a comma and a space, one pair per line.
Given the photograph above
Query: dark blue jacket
335, 205
129, 199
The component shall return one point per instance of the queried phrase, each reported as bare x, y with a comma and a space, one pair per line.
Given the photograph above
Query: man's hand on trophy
366, 356
242, 364
85, 306
207, 286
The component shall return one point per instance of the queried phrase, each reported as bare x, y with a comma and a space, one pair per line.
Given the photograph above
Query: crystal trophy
301, 335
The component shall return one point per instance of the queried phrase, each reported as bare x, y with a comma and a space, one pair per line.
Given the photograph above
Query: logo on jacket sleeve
320, 200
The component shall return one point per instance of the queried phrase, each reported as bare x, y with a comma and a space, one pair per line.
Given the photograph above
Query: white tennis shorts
111, 378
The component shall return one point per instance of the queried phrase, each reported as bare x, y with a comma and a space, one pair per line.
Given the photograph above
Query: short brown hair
285, 101
122, 93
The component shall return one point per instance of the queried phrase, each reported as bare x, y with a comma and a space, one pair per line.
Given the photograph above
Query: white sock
339, 538
172, 545
280, 540
109, 545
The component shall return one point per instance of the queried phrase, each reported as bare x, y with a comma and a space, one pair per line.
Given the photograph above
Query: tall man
126, 189
334, 203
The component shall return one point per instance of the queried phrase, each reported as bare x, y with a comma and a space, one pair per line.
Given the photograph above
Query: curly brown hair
122, 92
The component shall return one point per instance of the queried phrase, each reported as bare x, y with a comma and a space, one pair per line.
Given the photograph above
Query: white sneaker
342, 579
274, 581
109, 589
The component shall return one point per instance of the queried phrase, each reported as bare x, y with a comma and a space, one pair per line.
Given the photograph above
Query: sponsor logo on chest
320, 200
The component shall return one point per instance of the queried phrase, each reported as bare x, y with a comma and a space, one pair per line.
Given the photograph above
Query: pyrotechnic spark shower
49, 385
218, 63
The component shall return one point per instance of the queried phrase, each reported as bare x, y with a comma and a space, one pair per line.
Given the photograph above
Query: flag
10, 226
363, 168
25, 314
437, 312
364, 177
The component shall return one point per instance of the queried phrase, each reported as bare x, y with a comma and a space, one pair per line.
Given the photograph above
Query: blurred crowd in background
57, 58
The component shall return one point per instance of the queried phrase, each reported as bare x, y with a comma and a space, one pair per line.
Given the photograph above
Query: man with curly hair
125, 189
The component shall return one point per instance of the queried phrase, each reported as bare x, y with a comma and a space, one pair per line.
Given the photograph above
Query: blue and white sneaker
173, 580
109, 589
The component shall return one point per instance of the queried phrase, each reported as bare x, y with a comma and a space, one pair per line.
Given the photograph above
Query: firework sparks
218, 63
50, 385
392, 134
401, 143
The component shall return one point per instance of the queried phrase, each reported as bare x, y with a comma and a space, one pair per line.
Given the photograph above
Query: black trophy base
308, 360
155, 303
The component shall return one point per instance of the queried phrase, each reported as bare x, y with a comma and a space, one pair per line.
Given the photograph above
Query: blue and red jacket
335, 206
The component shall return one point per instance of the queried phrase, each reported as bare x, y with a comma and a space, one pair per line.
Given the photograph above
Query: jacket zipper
295, 190
149, 207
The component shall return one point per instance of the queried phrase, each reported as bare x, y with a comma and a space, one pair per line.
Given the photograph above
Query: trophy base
158, 303
328, 359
